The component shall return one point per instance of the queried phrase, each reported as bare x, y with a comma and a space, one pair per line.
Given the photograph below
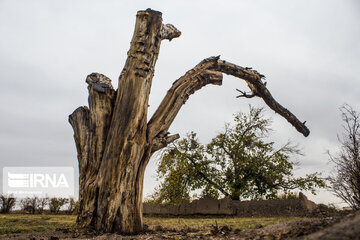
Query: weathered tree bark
114, 141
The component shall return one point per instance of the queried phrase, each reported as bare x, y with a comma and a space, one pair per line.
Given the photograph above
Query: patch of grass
25, 223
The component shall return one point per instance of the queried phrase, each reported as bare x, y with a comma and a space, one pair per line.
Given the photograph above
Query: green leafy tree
238, 163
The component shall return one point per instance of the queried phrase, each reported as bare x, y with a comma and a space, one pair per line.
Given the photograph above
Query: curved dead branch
206, 72
258, 88
180, 91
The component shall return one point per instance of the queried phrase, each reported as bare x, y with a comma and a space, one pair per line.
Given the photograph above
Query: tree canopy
238, 163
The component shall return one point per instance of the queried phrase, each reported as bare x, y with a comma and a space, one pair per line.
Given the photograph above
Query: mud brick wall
256, 208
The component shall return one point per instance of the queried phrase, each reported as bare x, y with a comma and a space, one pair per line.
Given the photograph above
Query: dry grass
25, 223
206, 223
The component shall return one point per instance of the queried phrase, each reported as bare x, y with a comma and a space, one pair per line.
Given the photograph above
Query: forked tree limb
259, 89
206, 72
244, 94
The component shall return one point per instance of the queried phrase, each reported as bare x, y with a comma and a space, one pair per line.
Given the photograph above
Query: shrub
7, 202
42, 202
55, 204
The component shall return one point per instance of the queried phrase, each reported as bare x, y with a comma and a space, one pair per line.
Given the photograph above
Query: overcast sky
308, 50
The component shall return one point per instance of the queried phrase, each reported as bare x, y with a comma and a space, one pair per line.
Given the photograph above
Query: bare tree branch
206, 72
244, 94
258, 88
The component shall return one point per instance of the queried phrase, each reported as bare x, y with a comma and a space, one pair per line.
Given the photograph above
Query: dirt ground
324, 228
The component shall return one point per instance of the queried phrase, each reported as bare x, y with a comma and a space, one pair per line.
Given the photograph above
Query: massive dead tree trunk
114, 141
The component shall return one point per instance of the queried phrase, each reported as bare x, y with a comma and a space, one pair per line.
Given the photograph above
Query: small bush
33, 205
55, 204
7, 202
29, 204
42, 202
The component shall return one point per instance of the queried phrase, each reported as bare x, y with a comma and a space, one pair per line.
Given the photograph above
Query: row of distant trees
38, 205
240, 163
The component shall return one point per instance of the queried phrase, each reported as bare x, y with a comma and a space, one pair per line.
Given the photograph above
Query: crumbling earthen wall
255, 208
